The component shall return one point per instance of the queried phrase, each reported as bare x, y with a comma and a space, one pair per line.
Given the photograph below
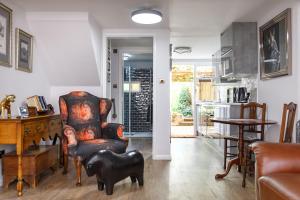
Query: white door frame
136, 34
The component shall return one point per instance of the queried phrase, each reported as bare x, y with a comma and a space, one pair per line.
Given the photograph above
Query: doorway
193, 91
182, 95
131, 86
137, 94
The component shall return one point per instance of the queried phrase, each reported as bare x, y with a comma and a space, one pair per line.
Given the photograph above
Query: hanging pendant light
146, 16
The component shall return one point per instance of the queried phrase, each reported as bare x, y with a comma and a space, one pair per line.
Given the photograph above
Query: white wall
20, 83
161, 97
56, 91
96, 38
285, 89
66, 39
72, 42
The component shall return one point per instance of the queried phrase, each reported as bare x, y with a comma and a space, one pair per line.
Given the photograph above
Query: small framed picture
24, 51
23, 111
5, 35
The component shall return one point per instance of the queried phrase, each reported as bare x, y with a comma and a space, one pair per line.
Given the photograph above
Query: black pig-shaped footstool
110, 168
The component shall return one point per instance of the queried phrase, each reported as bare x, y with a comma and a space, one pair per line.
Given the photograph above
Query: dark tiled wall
141, 102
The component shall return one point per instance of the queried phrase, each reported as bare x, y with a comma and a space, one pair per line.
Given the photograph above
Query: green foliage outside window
183, 104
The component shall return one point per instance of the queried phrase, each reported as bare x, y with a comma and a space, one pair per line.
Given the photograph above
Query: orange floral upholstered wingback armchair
86, 130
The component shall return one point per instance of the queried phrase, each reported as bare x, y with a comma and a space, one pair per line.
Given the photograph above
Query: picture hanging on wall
276, 46
5, 35
24, 50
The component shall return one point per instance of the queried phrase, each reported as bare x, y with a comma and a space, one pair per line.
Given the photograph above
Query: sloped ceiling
65, 42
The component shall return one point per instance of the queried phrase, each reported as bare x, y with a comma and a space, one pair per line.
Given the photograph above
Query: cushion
88, 147
83, 114
279, 186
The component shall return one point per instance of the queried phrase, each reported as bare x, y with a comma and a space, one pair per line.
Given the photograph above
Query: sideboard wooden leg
20, 178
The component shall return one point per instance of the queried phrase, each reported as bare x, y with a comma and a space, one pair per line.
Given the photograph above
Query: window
135, 86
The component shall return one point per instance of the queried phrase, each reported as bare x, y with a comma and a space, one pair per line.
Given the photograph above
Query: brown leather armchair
277, 172
86, 130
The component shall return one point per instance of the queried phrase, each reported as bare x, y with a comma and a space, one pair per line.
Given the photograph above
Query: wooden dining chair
247, 111
286, 132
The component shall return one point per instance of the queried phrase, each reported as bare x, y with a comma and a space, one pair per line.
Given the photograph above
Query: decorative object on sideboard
23, 111
50, 110
24, 51
5, 104
276, 46
32, 111
39, 102
5, 35
37, 106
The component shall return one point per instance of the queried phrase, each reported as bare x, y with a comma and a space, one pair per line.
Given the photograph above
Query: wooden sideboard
24, 132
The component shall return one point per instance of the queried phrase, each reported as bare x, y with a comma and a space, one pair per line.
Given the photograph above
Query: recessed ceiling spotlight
146, 16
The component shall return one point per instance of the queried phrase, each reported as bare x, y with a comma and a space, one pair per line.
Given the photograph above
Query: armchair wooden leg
65, 161
77, 163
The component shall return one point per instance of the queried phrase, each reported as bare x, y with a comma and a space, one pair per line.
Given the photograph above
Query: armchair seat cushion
88, 147
279, 186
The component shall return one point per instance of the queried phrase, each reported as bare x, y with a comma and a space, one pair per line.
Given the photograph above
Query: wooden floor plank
189, 176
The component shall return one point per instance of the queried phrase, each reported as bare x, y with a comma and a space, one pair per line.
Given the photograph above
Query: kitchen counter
217, 104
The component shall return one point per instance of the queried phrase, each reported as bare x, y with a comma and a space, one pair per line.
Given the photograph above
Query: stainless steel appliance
243, 95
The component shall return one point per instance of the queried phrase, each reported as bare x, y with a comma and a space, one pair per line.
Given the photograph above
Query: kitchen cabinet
239, 50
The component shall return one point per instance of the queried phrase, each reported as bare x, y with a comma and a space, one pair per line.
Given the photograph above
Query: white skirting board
161, 157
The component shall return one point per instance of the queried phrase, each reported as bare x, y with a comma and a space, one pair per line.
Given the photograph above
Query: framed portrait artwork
5, 35
24, 50
276, 46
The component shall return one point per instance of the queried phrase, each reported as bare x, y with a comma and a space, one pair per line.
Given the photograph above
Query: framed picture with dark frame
5, 35
24, 51
276, 46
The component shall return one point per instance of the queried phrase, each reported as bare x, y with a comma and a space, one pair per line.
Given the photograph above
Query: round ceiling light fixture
146, 16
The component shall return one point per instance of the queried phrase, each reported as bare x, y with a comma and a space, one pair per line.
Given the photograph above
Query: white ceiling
211, 17
183, 17
194, 23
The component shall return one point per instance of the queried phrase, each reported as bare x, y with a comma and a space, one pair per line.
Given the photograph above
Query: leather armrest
276, 158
